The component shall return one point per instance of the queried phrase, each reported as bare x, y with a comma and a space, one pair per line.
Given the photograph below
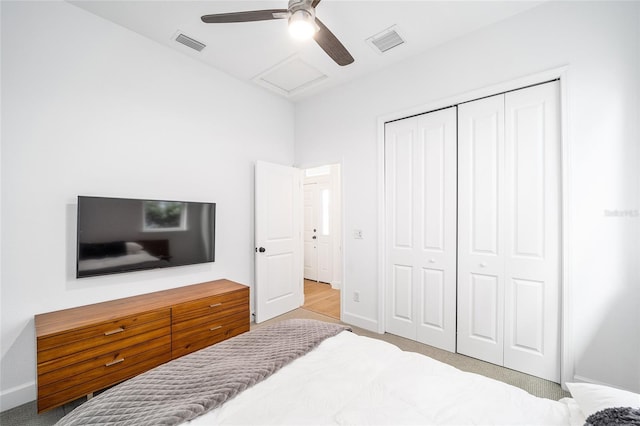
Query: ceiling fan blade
249, 16
331, 45
315, 3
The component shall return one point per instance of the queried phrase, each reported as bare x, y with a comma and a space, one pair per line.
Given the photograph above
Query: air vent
189, 42
386, 40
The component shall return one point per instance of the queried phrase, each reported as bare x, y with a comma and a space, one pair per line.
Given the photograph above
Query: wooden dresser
82, 350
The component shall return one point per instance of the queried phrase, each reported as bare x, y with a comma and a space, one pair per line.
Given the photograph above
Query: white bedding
356, 380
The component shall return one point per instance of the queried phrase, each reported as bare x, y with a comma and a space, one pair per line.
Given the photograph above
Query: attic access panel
290, 77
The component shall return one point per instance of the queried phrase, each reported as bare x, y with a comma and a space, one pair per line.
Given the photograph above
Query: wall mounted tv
118, 235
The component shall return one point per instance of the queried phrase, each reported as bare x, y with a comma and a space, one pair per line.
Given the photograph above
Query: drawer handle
117, 361
116, 331
215, 328
215, 305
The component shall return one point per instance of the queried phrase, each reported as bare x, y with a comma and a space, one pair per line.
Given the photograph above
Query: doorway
322, 229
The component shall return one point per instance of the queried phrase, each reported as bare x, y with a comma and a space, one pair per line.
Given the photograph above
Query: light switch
357, 234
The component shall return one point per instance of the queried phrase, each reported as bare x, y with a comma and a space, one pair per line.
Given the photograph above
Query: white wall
90, 108
600, 42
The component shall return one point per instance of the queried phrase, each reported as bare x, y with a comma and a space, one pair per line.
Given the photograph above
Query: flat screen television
117, 235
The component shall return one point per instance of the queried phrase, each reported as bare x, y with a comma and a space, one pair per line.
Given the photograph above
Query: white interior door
278, 238
420, 187
532, 225
480, 229
310, 232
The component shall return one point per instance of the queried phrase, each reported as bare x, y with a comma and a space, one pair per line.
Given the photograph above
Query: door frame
567, 362
338, 268
323, 182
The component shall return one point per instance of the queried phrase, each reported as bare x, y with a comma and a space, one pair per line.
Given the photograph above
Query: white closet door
532, 223
400, 149
436, 256
420, 174
480, 229
508, 230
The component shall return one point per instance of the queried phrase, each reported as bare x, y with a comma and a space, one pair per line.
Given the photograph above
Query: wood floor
322, 299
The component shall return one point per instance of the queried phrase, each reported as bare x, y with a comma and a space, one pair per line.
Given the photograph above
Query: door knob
482, 265
432, 260
262, 249
314, 237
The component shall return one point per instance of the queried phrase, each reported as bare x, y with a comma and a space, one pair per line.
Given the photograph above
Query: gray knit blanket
188, 387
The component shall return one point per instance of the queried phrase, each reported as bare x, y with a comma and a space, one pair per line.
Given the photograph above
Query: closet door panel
480, 233
436, 210
432, 296
484, 156
526, 178
402, 293
527, 308
420, 187
484, 305
434, 178
532, 268
401, 147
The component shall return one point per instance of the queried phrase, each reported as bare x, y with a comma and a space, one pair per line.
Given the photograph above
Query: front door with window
318, 243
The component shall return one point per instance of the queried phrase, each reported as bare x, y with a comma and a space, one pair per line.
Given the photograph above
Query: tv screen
118, 235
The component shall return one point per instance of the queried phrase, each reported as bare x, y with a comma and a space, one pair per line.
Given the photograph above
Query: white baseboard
16, 396
582, 379
360, 321
336, 285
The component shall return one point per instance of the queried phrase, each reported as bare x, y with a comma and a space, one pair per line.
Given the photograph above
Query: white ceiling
253, 51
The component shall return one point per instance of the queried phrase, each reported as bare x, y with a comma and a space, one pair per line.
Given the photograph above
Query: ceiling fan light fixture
302, 25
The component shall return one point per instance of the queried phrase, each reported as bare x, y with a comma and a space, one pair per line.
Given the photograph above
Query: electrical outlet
357, 234
356, 296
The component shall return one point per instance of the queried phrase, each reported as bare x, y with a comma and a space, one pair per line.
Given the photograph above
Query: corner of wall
17, 395
360, 321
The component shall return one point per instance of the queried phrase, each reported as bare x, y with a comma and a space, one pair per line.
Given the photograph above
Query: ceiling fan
302, 24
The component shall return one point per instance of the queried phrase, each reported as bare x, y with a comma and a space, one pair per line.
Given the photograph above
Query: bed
299, 372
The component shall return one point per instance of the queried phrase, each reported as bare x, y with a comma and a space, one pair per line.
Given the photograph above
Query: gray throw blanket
190, 386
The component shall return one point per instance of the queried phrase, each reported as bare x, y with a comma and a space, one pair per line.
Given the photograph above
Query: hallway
321, 298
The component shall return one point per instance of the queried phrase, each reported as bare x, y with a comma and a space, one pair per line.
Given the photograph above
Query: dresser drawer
109, 365
202, 336
217, 313
113, 338
100, 335
74, 364
222, 304
110, 372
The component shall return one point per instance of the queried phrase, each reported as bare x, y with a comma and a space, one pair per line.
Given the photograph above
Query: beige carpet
533, 385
